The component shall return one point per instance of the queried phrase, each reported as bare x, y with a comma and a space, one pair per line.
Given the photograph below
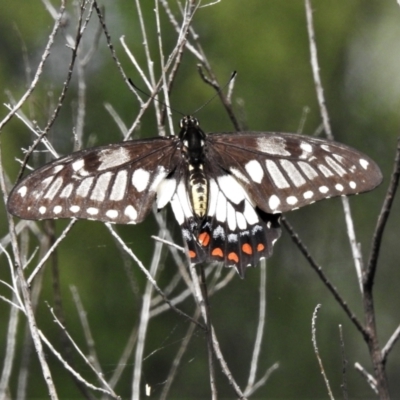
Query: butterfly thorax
193, 139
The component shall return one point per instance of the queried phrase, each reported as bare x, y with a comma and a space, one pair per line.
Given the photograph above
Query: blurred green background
266, 42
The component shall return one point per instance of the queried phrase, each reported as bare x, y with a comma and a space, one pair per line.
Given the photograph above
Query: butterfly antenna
153, 97
219, 91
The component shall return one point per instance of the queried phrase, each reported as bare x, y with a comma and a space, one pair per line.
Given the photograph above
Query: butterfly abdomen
198, 185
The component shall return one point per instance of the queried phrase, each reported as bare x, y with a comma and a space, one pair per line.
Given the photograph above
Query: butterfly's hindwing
233, 231
114, 183
282, 172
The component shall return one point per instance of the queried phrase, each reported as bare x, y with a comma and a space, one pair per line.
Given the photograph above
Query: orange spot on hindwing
246, 248
217, 252
204, 239
192, 254
260, 247
233, 257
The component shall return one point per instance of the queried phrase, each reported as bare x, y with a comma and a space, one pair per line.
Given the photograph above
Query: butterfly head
192, 138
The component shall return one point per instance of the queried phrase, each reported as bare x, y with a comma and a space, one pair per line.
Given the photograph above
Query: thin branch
28, 307
260, 327
202, 302
316, 351
369, 274
39, 70
328, 130
149, 277
369, 378
144, 323
323, 277
390, 343
98, 374
344, 365
51, 250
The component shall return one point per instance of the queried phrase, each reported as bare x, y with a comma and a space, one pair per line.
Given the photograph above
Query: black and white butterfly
227, 190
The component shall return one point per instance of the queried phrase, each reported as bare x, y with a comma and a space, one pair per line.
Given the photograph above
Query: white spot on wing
325, 147
77, 165
352, 184
92, 211
250, 214
58, 168
339, 187
42, 209
364, 163
255, 170
140, 179
100, 188
291, 200
239, 175
159, 177
119, 186
74, 209
273, 145
111, 158
221, 207
326, 171
306, 147
84, 187
177, 209
219, 232
54, 188
308, 170
323, 189
274, 202
46, 182
276, 175
231, 188
308, 194
231, 217
213, 197
232, 237
112, 214
241, 221
165, 191
335, 166
293, 173
22, 191
130, 212
184, 200
66, 192
57, 209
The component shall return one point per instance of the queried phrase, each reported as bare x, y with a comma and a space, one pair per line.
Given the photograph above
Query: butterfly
227, 190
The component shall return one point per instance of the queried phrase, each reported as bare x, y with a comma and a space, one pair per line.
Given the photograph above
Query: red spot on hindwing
246, 248
233, 257
204, 238
260, 247
217, 252
192, 254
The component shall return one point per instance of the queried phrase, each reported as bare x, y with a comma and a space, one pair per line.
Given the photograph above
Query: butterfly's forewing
282, 172
114, 183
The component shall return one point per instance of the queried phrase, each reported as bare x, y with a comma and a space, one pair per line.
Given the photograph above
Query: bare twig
321, 274
51, 250
316, 351
39, 70
369, 274
260, 327
344, 365
149, 276
144, 323
369, 378
328, 130
390, 343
